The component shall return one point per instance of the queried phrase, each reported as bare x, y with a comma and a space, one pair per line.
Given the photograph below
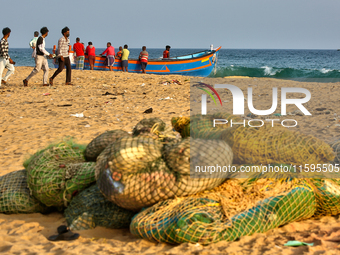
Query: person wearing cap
33, 42
63, 57
5, 60
166, 53
40, 58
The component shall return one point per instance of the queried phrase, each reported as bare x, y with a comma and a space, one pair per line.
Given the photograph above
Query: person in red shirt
79, 49
143, 57
166, 53
91, 53
110, 55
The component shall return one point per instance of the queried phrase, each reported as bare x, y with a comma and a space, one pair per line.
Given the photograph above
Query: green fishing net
58, 173
15, 195
90, 209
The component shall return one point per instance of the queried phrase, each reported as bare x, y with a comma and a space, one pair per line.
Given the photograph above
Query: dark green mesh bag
204, 220
58, 173
15, 195
134, 174
97, 145
90, 209
145, 126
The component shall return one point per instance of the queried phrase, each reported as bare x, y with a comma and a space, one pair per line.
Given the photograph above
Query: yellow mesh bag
266, 145
134, 173
201, 126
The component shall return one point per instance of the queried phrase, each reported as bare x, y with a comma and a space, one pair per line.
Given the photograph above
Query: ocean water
282, 64
285, 64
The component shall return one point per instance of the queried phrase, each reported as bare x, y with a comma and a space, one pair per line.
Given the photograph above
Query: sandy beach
33, 117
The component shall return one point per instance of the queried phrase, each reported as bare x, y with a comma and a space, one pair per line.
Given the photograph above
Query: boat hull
200, 64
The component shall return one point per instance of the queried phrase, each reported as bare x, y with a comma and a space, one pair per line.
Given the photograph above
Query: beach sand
33, 117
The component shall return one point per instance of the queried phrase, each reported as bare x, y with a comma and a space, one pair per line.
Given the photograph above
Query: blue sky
236, 24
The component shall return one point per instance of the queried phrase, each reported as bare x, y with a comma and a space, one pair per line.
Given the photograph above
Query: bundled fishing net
327, 194
156, 129
58, 173
336, 148
15, 196
202, 126
97, 145
261, 145
228, 212
134, 174
147, 125
90, 209
266, 145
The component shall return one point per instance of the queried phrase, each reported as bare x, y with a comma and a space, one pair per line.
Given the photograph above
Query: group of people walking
40, 55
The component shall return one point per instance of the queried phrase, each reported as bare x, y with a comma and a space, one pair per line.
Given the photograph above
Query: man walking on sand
5, 60
63, 57
40, 58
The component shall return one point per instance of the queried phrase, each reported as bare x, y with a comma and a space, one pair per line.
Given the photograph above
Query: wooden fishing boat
196, 64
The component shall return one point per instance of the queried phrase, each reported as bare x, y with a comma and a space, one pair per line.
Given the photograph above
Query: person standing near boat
63, 57
143, 57
166, 53
40, 58
110, 55
79, 49
5, 60
33, 42
125, 57
119, 53
91, 54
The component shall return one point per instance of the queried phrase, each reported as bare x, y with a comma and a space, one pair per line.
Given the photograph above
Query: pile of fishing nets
237, 208
57, 173
90, 209
15, 196
228, 212
170, 171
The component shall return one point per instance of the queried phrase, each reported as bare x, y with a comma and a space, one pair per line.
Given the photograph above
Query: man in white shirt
63, 56
5, 60
33, 42
40, 58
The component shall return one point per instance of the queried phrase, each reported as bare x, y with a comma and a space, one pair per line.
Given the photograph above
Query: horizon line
206, 48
